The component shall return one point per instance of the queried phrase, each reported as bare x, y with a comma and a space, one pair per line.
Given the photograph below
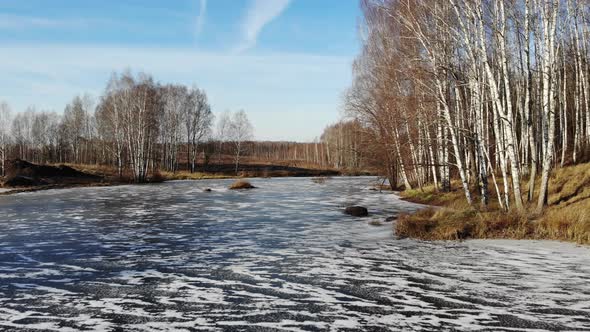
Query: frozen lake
281, 257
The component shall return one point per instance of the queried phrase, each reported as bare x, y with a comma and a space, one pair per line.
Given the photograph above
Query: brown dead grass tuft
450, 224
157, 177
183, 175
567, 223
567, 217
241, 184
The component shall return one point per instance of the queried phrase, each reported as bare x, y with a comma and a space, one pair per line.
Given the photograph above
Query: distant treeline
140, 126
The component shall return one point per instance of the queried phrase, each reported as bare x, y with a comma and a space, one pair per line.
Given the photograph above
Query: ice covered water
280, 257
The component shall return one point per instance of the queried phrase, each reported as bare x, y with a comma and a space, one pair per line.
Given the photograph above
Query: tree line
494, 93
137, 125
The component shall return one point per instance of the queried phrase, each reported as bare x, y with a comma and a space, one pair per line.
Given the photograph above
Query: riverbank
217, 171
102, 176
567, 218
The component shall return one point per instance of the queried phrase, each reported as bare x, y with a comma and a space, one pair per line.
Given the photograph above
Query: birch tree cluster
147, 125
492, 93
299, 154
137, 125
341, 146
343, 142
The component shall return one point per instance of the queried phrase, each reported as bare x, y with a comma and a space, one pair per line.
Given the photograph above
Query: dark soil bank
261, 170
20, 173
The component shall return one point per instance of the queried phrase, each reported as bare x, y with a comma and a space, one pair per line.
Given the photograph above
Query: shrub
241, 184
157, 177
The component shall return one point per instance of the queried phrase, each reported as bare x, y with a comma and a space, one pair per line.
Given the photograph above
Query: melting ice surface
281, 257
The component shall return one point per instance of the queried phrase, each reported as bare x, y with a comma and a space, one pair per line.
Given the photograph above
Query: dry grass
265, 170
568, 223
110, 172
450, 224
100, 170
183, 175
241, 184
430, 196
567, 217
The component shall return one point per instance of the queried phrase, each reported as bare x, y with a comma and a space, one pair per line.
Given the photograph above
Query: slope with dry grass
567, 217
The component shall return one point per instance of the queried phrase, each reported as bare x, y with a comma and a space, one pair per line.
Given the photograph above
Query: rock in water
207, 190
357, 211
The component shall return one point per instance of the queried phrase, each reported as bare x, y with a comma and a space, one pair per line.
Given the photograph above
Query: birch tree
240, 131
198, 119
5, 134
549, 11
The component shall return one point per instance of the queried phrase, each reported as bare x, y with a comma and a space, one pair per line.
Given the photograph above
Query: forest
492, 95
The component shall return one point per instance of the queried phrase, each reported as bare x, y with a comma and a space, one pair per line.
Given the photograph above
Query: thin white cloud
202, 16
259, 14
289, 87
25, 22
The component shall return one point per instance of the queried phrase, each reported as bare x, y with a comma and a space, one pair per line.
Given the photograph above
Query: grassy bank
567, 218
108, 175
223, 171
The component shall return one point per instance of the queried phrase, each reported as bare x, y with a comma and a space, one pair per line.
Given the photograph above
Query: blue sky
286, 63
